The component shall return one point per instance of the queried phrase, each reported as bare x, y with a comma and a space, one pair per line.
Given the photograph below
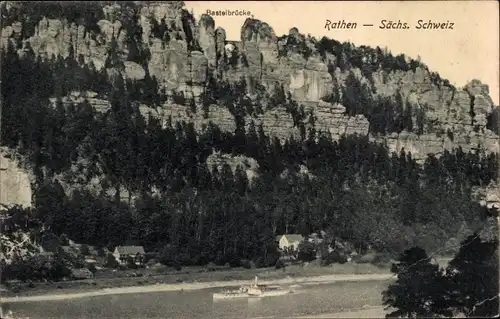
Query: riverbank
153, 277
366, 312
194, 286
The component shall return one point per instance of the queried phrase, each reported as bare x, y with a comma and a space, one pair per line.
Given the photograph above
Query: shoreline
195, 286
363, 312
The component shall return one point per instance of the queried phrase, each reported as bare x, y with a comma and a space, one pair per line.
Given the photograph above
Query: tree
252, 141
241, 180
60, 267
334, 257
111, 261
473, 275
113, 59
306, 251
49, 201
84, 250
168, 257
351, 95
420, 120
420, 288
64, 240
278, 97
131, 263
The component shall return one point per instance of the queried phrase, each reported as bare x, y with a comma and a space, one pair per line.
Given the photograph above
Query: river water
309, 299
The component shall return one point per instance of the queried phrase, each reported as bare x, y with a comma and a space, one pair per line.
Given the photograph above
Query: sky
468, 51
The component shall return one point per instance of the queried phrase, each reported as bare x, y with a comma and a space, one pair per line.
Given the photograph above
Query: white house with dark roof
289, 241
123, 253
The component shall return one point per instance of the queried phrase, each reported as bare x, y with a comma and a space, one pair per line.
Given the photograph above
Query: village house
123, 253
289, 241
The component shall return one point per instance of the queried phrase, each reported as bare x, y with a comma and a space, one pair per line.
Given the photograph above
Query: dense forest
155, 188
195, 213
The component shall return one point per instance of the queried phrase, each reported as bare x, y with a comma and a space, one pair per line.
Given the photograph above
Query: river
310, 299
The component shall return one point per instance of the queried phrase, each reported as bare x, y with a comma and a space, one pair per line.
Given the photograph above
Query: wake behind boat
254, 290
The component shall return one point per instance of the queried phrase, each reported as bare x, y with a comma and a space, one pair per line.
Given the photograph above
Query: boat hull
222, 296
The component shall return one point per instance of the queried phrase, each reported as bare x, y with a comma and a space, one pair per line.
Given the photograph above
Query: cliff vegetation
139, 126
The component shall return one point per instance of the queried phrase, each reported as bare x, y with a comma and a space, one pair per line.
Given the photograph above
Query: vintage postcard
251, 159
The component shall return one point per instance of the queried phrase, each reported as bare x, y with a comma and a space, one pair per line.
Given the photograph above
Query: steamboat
254, 290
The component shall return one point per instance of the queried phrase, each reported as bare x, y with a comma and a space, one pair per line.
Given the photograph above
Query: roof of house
293, 237
70, 250
130, 250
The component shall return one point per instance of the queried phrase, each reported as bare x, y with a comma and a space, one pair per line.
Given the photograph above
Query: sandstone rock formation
183, 62
331, 118
248, 164
312, 83
220, 47
15, 182
17, 244
169, 63
489, 196
207, 39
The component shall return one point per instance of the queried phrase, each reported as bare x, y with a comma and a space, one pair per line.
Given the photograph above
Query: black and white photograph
249, 159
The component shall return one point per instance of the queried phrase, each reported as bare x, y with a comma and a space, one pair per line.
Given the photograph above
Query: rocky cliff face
489, 196
463, 112
247, 164
15, 183
186, 53
17, 244
307, 79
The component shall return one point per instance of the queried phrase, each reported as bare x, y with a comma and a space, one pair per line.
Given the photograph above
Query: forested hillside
156, 189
